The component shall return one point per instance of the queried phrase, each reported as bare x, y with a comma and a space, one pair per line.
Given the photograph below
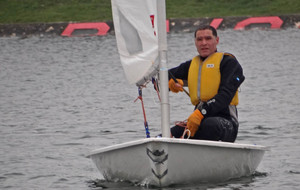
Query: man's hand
194, 122
176, 87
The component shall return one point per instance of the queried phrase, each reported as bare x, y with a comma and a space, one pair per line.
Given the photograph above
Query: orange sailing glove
194, 122
174, 86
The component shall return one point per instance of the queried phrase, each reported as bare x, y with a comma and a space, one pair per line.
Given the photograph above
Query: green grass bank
46, 11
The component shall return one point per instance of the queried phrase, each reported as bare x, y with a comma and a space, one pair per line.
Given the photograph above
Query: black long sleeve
231, 78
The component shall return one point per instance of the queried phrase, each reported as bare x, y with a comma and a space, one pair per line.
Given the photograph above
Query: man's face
206, 42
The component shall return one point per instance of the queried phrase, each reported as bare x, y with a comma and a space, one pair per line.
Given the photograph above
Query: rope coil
186, 130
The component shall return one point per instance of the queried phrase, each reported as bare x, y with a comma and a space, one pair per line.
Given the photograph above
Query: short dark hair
207, 27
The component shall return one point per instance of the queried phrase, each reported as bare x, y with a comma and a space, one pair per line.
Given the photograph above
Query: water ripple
62, 97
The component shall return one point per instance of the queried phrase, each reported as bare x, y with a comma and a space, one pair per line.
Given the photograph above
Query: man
213, 79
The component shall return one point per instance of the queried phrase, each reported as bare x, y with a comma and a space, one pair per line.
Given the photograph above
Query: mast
163, 72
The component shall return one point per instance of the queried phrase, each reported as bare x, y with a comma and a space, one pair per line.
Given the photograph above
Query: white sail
135, 26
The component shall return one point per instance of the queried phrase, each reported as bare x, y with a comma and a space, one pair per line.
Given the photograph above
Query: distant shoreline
173, 25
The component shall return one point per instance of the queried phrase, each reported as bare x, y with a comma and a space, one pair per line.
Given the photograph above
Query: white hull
166, 161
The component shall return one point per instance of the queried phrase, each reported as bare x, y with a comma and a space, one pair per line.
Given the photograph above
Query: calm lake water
60, 98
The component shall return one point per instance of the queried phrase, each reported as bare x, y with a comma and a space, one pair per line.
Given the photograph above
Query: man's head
206, 40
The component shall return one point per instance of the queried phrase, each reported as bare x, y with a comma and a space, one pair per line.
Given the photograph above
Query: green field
30, 11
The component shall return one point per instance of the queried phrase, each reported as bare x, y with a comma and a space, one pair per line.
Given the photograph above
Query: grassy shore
43, 11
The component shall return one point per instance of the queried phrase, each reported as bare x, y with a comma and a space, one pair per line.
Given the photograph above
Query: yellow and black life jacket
205, 86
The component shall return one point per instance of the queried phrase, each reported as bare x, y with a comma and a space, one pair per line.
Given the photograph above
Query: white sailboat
141, 38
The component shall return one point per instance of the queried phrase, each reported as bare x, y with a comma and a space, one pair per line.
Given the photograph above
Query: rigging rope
154, 82
178, 123
186, 130
144, 113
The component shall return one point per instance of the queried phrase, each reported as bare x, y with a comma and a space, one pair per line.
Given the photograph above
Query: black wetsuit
220, 121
